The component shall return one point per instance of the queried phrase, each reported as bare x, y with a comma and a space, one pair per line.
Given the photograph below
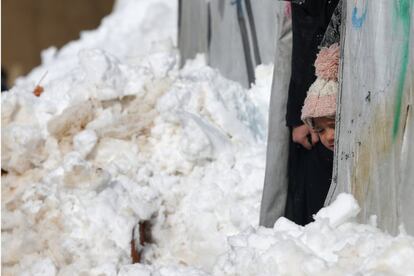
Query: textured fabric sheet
214, 28
375, 140
193, 28
275, 186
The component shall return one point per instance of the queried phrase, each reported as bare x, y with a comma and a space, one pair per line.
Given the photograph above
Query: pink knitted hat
321, 98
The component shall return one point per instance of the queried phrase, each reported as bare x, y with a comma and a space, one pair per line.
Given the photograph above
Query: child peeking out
318, 113
319, 109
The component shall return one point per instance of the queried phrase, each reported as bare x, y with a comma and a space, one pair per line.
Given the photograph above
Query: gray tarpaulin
226, 46
275, 186
265, 18
236, 35
375, 127
193, 27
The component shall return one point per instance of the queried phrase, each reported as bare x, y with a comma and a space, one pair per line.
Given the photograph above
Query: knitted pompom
327, 63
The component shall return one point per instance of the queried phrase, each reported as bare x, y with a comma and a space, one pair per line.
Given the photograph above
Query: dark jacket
309, 171
309, 23
309, 182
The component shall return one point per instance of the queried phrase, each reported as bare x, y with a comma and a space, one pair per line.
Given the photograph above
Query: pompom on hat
321, 98
327, 63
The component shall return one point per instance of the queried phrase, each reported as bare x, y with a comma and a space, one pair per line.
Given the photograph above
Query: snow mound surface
120, 135
332, 245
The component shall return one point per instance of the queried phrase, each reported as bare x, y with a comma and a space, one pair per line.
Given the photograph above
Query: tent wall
236, 35
276, 182
193, 28
268, 18
375, 136
226, 46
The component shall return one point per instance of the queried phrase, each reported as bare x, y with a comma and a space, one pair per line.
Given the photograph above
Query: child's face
325, 127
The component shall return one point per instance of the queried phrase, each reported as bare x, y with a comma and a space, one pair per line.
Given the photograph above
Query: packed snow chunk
396, 259
344, 248
341, 210
223, 103
72, 120
283, 224
103, 74
84, 142
116, 155
201, 140
23, 147
78, 173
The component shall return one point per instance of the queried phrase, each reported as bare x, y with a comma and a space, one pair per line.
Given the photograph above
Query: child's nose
331, 135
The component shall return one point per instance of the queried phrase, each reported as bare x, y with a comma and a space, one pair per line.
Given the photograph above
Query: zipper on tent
253, 32
245, 41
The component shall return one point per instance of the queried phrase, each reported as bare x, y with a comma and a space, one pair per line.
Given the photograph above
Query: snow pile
185, 151
120, 135
332, 245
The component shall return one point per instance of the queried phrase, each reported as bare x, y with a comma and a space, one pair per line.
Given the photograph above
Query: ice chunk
341, 210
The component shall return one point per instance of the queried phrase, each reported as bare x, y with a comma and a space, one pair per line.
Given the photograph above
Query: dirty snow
121, 135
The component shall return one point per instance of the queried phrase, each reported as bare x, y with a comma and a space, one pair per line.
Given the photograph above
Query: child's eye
319, 130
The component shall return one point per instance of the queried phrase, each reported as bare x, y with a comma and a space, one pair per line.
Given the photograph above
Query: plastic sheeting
375, 124
266, 14
193, 28
276, 182
236, 35
226, 46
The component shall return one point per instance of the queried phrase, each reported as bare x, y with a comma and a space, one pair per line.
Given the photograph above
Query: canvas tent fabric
275, 185
265, 20
236, 36
226, 51
374, 147
193, 28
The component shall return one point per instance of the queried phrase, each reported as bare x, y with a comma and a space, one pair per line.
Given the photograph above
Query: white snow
121, 135
319, 248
